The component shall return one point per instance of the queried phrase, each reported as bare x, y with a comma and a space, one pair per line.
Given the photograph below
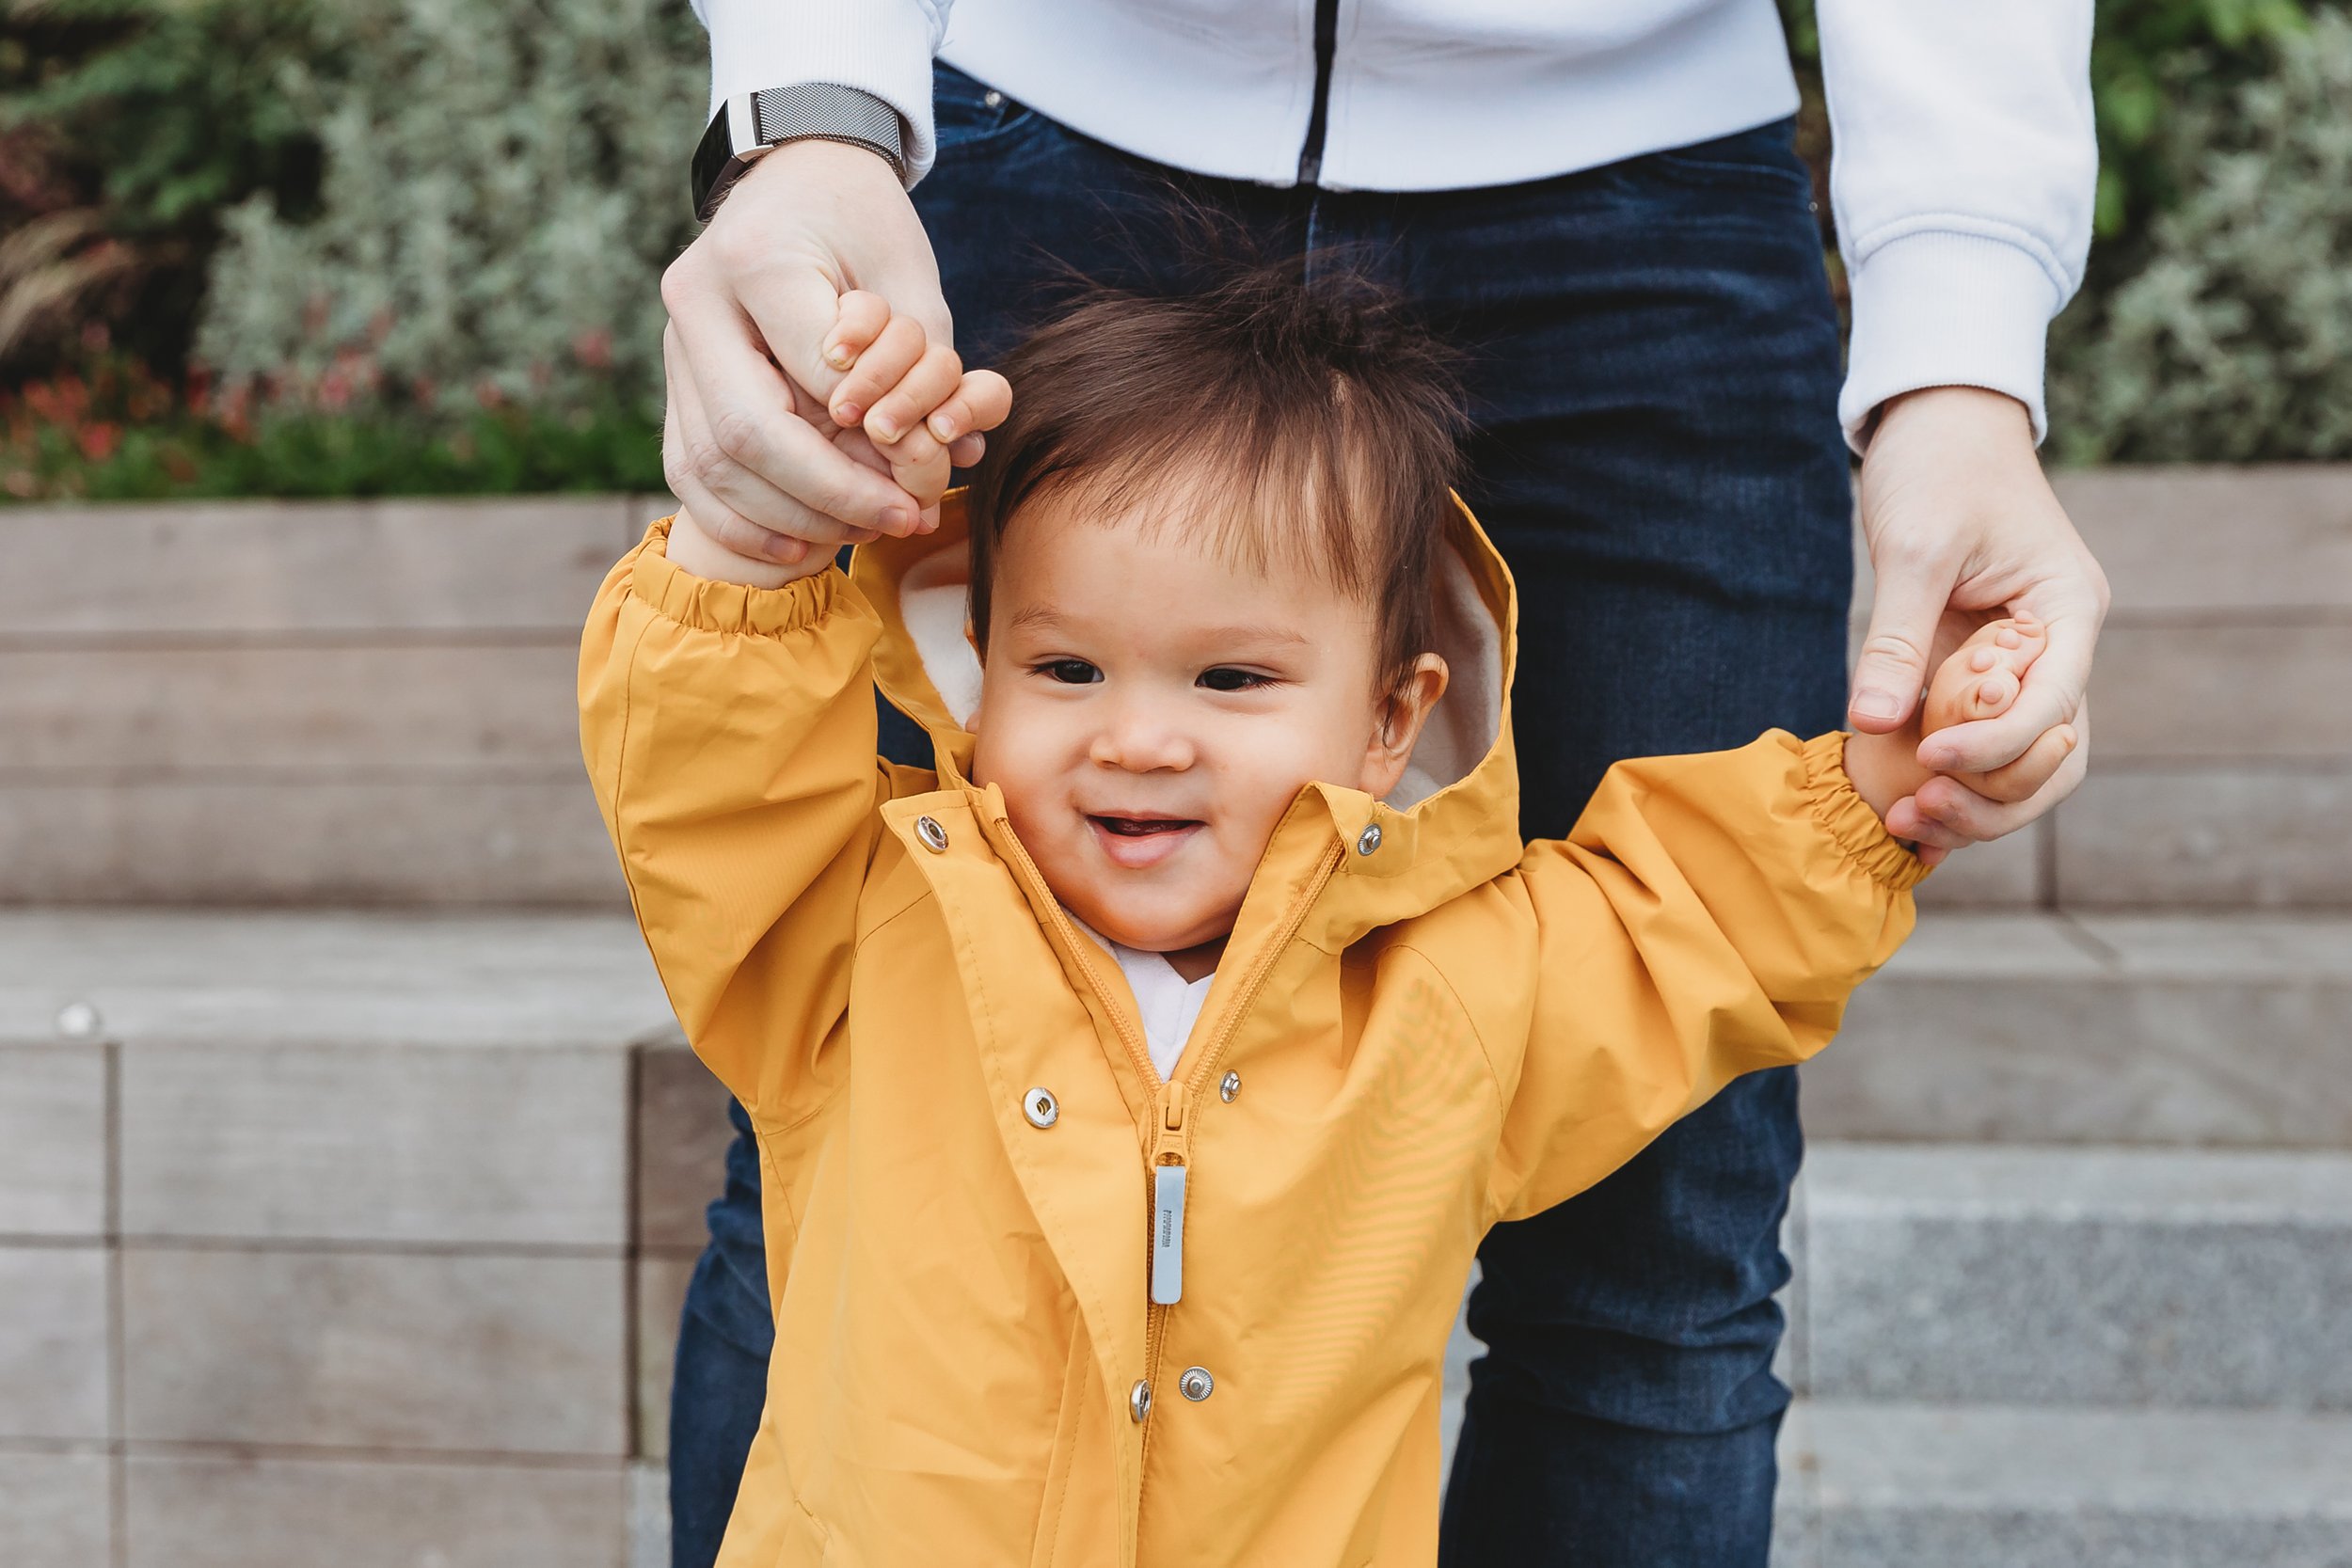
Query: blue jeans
1654, 372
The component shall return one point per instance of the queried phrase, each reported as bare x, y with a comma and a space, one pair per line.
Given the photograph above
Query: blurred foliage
122, 433
2135, 49
2131, 88
2214, 320
504, 182
365, 246
2227, 333
126, 128
417, 242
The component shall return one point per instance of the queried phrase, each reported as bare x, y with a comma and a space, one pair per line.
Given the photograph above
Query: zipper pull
1168, 1234
1168, 1199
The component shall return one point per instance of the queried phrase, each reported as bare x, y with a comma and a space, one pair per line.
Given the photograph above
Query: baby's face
1151, 710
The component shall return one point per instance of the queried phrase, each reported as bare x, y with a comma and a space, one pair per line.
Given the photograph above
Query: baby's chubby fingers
898, 413
922, 460
896, 349
924, 476
979, 402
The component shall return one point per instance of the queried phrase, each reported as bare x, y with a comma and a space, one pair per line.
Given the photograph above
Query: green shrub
2226, 332
2132, 41
122, 433
505, 180
125, 127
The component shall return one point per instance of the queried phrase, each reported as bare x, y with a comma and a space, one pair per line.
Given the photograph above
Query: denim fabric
1654, 372
721, 1377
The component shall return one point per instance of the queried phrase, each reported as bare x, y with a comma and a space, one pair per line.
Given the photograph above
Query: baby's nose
1141, 741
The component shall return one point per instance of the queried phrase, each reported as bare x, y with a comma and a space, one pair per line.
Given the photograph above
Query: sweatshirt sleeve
1707, 916
729, 733
1963, 176
883, 47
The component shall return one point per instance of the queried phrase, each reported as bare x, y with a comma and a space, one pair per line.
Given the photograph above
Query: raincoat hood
1450, 824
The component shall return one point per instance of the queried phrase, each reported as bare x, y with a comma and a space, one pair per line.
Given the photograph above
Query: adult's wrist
883, 47
1978, 412
749, 126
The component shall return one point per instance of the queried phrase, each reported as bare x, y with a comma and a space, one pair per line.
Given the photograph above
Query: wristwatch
750, 123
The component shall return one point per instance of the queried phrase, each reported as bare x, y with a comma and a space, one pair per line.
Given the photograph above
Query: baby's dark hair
1311, 420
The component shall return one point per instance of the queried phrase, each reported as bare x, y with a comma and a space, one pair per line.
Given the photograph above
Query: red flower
99, 439
593, 349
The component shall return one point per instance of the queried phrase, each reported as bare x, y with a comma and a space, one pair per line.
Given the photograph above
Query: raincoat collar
1451, 825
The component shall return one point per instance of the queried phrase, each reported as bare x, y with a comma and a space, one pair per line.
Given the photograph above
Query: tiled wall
372, 703
366, 702
283, 1286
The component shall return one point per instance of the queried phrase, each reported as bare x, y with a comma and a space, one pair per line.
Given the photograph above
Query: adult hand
1962, 528
748, 444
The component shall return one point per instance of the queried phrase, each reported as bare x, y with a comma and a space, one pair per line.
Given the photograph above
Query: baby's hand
1979, 679
919, 411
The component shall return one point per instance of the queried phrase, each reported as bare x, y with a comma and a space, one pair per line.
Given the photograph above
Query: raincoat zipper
1172, 1138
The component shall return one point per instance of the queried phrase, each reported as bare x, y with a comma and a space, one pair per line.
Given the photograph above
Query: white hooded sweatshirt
1963, 180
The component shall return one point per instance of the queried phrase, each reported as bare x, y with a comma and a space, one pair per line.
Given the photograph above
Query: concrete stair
2073, 1252
2073, 1244
1895, 1484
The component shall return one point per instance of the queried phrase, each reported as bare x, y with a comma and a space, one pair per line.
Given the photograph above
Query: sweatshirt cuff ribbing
883, 47
1849, 820
1944, 308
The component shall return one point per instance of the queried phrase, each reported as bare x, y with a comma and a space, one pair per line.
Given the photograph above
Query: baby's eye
1226, 679
1069, 671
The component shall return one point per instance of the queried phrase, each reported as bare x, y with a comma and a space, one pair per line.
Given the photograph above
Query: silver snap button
1369, 840
992, 98
1228, 1086
77, 1021
1139, 1400
934, 837
1195, 1385
1041, 1107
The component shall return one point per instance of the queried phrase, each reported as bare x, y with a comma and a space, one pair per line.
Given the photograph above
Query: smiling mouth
1139, 843
1143, 827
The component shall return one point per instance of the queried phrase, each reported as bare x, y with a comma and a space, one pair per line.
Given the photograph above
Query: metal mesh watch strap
826, 111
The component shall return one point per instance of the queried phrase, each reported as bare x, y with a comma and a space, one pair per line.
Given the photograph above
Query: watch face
710, 158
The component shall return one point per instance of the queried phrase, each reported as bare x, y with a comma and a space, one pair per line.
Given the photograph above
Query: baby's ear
1402, 714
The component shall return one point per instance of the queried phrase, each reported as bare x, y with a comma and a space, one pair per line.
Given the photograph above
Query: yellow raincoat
1415, 1032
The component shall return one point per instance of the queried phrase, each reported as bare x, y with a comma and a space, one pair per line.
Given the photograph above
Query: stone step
2074, 1277
1869, 1486
2042, 1028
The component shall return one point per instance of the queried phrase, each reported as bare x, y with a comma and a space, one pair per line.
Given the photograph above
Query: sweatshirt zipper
1319, 118
1172, 1136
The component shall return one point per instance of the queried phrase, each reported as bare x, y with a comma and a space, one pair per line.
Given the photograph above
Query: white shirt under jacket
1963, 179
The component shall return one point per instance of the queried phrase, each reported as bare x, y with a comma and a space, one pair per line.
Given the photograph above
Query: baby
1134, 1088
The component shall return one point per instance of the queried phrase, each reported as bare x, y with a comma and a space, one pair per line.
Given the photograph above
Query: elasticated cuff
1942, 309
729, 606
1848, 818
